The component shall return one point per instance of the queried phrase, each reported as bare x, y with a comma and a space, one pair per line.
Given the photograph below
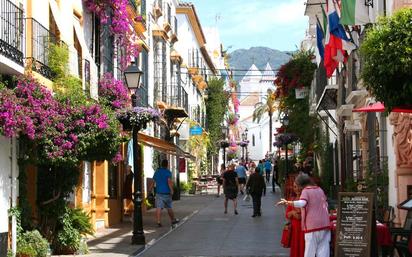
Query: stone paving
210, 232
203, 231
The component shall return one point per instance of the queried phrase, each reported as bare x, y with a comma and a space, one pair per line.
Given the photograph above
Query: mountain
242, 59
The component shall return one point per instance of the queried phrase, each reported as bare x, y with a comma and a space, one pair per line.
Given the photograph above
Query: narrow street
210, 232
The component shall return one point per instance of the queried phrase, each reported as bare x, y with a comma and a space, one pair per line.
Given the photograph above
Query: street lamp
244, 145
224, 143
285, 121
132, 77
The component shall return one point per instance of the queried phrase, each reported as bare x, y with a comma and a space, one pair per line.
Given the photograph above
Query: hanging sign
301, 93
196, 130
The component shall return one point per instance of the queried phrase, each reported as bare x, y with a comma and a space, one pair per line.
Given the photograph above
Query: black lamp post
285, 121
244, 145
224, 143
132, 77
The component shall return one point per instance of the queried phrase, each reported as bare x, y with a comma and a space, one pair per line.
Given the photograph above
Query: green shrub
387, 52
31, 243
72, 225
185, 187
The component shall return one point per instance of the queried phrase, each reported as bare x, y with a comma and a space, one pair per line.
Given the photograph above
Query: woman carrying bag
297, 238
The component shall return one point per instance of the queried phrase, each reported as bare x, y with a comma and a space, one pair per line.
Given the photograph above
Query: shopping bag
246, 198
286, 235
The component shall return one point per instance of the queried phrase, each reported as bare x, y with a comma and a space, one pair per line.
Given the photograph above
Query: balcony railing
11, 31
143, 8
41, 41
180, 99
133, 4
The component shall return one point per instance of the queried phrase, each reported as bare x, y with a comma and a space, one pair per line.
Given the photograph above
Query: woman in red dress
297, 240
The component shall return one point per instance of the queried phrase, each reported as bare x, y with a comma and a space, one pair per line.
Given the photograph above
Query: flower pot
127, 126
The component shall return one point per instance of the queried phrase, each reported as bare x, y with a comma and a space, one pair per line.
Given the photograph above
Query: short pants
163, 201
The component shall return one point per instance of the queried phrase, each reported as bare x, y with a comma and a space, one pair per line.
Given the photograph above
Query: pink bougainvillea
113, 92
62, 133
120, 25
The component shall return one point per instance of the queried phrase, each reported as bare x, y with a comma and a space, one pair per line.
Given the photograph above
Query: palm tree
267, 106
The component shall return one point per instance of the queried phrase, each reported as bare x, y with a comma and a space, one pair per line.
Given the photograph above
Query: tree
386, 52
216, 106
267, 106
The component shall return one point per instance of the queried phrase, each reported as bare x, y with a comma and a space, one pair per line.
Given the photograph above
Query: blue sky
279, 24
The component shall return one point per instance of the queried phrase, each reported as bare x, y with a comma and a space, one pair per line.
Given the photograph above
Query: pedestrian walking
219, 179
241, 175
261, 167
164, 191
255, 186
275, 175
315, 217
268, 170
230, 187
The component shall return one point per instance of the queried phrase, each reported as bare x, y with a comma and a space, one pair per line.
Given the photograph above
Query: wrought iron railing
169, 14
175, 26
133, 4
180, 99
11, 31
143, 8
41, 41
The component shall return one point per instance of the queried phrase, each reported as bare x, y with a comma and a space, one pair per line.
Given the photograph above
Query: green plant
216, 104
31, 243
72, 225
387, 55
268, 106
185, 187
25, 250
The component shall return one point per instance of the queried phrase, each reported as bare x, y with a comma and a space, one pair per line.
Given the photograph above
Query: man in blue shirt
268, 169
164, 192
241, 174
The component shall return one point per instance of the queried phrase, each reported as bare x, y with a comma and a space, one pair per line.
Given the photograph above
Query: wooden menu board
353, 234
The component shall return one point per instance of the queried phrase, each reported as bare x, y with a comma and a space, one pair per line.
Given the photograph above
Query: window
87, 182
113, 182
253, 140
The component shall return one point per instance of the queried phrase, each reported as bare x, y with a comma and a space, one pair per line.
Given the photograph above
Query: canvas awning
375, 107
163, 146
380, 107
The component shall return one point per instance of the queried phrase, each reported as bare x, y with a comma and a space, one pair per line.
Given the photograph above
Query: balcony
137, 13
167, 24
180, 100
157, 8
173, 37
39, 43
11, 32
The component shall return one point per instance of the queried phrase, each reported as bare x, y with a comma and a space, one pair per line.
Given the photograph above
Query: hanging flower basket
244, 143
224, 144
137, 117
286, 138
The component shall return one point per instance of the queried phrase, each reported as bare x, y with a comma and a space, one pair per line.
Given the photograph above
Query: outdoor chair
401, 236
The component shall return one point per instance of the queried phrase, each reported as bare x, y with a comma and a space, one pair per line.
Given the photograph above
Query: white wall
5, 185
393, 187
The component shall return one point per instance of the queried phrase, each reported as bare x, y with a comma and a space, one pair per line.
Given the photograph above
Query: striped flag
354, 12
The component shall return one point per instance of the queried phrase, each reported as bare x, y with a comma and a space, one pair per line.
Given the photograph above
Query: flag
335, 27
354, 12
319, 40
335, 33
